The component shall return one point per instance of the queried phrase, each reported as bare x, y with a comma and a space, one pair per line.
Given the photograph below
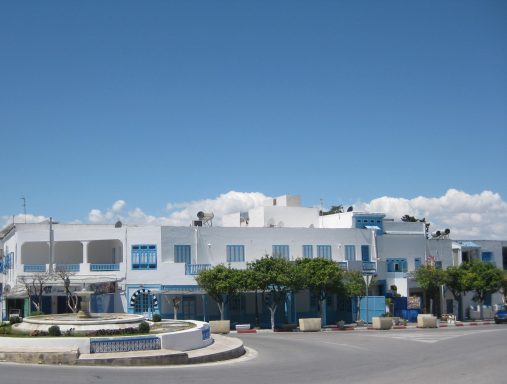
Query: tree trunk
221, 309
358, 308
481, 309
272, 309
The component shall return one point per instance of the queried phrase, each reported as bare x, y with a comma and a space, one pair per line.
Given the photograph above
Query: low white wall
189, 339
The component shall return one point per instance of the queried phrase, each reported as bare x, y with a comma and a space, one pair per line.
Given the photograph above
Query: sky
151, 111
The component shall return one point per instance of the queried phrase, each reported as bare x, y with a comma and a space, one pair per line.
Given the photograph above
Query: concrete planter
382, 322
310, 324
220, 326
242, 327
427, 321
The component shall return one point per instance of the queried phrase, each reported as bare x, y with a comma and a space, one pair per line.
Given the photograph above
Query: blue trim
365, 253
182, 254
194, 269
235, 253
307, 251
350, 252
125, 344
281, 251
34, 268
396, 265
67, 267
325, 252
104, 267
143, 257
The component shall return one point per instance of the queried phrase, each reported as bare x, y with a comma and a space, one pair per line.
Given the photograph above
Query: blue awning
372, 227
469, 244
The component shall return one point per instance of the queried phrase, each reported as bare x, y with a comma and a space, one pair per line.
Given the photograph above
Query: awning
469, 244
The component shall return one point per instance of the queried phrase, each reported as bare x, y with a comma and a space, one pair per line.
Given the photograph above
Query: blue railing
125, 344
67, 267
343, 265
104, 267
194, 269
34, 268
369, 266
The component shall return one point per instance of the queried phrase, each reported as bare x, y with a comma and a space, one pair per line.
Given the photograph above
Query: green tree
221, 283
334, 209
484, 279
455, 278
430, 279
321, 277
355, 287
276, 278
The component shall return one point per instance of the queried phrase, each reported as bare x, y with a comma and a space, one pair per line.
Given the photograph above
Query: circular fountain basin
69, 321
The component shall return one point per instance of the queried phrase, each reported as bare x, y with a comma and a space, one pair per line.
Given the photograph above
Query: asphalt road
447, 355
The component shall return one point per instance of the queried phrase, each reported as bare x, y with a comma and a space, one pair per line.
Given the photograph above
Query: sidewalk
223, 348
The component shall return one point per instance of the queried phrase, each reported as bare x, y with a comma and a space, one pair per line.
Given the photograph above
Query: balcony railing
104, 267
194, 269
343, 265
67, 267
34, 268
369, 266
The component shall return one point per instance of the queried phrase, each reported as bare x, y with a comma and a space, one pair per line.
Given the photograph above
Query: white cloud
181, 214
468, 216
478, 216
21, 218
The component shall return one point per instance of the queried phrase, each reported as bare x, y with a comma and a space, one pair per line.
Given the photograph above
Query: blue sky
161, 102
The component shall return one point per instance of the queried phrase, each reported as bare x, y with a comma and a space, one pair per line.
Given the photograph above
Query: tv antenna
24, 206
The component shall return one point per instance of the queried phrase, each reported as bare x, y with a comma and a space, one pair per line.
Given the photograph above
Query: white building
140, 269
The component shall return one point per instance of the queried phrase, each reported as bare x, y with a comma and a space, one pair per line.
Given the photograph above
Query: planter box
242, 327
310, 324
427, 321
382, 322
220, 326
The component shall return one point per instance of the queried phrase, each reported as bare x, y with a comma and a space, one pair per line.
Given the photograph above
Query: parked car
501, 315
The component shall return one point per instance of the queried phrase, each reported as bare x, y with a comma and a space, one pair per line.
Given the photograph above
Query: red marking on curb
399, 327
443, 325
342, 329
370, 329
473, 324
459, 325
247, 331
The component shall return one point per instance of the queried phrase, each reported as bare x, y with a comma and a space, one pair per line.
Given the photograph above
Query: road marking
429, 337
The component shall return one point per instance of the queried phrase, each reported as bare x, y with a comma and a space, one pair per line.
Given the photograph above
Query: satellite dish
350, 209
118, 224
447, 231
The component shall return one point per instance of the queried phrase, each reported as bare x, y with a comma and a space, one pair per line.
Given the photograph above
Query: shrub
144, 327
15, 320
54, 330
156, 318
37, 313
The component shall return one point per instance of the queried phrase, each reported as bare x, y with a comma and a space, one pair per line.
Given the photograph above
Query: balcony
32, 268
104, 267
194, 269
343, 265
67, 267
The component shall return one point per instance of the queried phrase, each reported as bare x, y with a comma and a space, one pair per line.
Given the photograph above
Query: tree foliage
483, 279
355, 287
275, 278
221, 283
334, 209
430, 279
320, 276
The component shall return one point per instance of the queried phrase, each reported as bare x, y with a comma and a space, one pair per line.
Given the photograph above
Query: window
365, 252
324, 251
144, 256
487, 257
281, 251
182, 254
417, 262
438, 264
235, 253
350, 252
396, 265
307, 252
